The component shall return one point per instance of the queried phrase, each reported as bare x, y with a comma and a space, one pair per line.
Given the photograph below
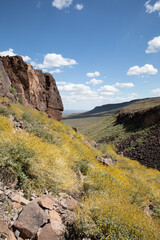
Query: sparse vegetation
0, 74
13, 91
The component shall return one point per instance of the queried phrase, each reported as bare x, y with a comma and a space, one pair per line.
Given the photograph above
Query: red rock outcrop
32, 87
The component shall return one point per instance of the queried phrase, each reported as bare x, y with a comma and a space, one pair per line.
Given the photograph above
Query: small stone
46, 202
71, 203
17, 233
16, 205
20, 199
1, 192
7, 192
54, 216
15, 217
3, 227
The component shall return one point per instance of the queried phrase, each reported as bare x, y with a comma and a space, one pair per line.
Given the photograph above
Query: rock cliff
20, 82
140, 119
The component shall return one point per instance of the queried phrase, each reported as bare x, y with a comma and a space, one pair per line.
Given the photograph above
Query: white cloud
108, 90
56, 60
79, 6
153, 45
156, 91
8, 52
56, 71
146, 69
94, 82
124, 85
152, 8
26, 58
60, 4
76, 89
95, 74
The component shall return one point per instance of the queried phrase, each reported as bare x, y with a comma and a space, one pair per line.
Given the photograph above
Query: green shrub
0, 74
82, 166
18, 160
5, 111
13, 91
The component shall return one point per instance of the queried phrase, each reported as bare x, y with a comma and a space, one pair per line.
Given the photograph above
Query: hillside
134, 130
84, 120
119, 201
102, 111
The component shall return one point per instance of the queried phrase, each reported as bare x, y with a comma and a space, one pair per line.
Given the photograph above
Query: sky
99, 51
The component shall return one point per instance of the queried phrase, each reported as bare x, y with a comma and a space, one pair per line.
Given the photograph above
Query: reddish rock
48, 233
33, 87
3, 227
106, 161
20, 199
46, 202
71, 203
16, 205
4, 230
53, 215
30, 220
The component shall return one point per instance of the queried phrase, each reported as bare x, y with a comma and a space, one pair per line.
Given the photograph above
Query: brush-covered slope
134, 130
117, 202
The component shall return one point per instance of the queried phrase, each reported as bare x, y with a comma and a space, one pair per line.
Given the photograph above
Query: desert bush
13, 91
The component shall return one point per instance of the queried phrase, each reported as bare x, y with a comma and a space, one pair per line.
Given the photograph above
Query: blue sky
99, 51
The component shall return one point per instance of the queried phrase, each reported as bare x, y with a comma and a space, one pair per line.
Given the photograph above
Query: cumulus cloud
79, 6
124, 85
153, 45
156, 91
146, 69
76, 89
60, 4
94, 74
10, 52
108, 90
152, 8
94, 82
26, 58
56, 60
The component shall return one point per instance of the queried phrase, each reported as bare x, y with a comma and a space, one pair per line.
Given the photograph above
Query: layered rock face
32, 87
140, 119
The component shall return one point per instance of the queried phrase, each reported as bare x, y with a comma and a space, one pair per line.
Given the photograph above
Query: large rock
30, 220
49, 233
33, 87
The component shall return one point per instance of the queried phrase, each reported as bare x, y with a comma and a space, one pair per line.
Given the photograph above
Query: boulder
49, 233
30, 220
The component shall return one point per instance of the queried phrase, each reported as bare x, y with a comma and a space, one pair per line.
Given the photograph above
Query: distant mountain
104, 110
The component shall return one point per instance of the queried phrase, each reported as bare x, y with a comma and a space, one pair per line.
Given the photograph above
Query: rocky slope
40, 218
20, 82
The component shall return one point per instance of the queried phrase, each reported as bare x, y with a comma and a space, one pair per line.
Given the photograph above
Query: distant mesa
35, 89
